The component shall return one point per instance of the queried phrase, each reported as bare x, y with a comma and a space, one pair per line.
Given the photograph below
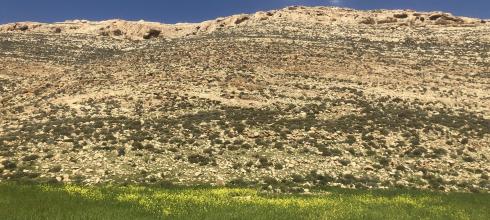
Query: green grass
28, 201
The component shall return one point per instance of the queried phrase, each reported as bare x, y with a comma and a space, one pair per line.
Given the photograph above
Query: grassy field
27, 201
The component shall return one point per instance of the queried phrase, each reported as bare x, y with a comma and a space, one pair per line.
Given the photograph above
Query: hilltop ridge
138, 30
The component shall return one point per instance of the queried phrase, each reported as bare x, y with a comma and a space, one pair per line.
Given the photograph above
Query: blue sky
171, 11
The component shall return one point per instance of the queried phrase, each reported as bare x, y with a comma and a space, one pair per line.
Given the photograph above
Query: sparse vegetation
264, 102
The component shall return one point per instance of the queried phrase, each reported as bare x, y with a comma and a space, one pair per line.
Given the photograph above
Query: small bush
264, 162
121, 151
30, 157
9, 165
137, 146
440, 151
201, 160
278, 166
344, 162
55, 169
350, 139
279, 145
297, 178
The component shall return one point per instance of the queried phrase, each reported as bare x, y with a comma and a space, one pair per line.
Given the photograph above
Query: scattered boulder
220, 181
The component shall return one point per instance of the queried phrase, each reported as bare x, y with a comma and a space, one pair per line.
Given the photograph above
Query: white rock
66, 177
220, 181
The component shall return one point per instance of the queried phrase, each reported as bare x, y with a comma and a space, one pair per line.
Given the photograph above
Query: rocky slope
288, 99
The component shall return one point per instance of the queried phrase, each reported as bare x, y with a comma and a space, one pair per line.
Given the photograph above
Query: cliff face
298, 97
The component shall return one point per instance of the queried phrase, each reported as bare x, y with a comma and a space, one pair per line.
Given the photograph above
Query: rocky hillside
287, 100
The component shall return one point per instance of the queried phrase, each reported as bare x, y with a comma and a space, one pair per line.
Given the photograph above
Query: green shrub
199, 159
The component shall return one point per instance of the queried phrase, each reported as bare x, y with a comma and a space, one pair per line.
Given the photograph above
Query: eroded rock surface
138, 30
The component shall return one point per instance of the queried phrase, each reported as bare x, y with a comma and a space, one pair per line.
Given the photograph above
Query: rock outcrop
137, 30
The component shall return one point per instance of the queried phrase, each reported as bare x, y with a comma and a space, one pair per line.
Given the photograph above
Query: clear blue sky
171, 11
